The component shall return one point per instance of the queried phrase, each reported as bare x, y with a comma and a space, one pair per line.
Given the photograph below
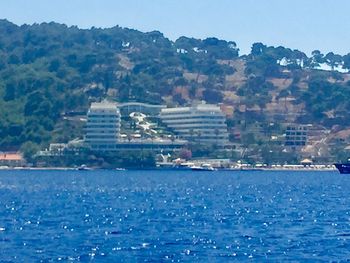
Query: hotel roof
104, 105
200, 107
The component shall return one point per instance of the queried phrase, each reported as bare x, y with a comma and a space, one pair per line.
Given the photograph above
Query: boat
83, 167
203, 167
343, 168
184, 166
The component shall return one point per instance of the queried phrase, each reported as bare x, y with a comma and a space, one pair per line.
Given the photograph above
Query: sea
173, 216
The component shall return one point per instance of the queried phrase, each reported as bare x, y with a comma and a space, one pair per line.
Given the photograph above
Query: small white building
203, 123
103, 126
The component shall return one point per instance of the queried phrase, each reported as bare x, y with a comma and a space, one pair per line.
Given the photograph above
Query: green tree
333, 60
257, 49
29, 150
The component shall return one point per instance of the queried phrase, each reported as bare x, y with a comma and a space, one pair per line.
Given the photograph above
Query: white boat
203, 167
83, 167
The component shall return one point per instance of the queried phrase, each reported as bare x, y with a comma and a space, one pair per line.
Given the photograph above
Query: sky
298, 24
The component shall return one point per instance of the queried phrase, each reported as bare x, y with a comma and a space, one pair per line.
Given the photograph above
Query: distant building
58, 148
204, 123
103, 133
149, 109
297, 135
103, 126
11, 159
155, 145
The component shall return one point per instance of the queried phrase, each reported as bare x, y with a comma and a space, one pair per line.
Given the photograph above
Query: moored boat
203, 167
343, 168
83, 167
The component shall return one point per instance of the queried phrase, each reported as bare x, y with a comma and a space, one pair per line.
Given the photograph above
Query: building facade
156, 145
149, 109
297, 135
11, 159
203, 123
103, 126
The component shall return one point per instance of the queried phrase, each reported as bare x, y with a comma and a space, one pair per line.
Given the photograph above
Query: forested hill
48, 70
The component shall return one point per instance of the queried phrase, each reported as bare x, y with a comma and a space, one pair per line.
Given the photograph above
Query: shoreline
253, 169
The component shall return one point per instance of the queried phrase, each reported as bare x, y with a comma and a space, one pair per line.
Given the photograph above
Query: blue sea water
173, 216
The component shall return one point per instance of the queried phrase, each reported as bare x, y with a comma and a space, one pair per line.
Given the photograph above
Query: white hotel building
203, 123
102, 132
103, 126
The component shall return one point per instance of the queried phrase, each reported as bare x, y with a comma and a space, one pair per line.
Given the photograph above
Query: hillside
49, 70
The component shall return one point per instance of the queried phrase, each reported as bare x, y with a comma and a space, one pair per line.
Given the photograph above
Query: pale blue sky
298, 24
